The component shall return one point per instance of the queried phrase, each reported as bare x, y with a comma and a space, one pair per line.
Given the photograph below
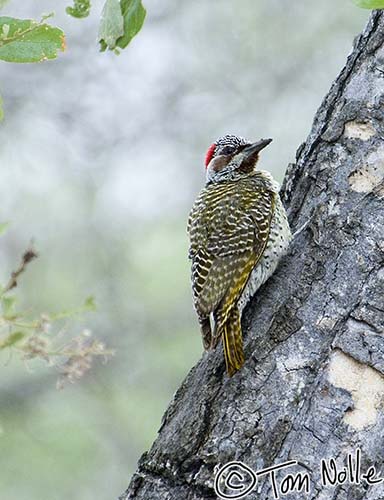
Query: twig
28, 256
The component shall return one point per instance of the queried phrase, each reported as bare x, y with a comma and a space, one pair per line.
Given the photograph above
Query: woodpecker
238, 232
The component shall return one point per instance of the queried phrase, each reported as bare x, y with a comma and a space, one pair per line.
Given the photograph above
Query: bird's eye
227, 150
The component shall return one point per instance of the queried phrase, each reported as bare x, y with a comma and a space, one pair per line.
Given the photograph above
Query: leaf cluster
31, 41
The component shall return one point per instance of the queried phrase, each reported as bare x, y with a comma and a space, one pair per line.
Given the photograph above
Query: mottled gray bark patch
323, 307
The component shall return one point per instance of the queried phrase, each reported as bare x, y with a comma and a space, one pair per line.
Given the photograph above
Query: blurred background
101, 158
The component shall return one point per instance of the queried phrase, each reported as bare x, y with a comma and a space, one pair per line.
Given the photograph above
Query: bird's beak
256, 147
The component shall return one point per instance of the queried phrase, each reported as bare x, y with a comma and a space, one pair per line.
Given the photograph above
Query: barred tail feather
233, 342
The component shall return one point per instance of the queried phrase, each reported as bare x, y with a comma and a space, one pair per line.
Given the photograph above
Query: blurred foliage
370, 4
33, 338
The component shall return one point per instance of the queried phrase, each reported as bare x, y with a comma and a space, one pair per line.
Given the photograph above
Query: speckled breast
279, 237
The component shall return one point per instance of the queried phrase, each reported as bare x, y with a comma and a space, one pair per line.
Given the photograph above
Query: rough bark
313, 383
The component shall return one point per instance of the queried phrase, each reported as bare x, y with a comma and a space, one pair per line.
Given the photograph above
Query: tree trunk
312, 386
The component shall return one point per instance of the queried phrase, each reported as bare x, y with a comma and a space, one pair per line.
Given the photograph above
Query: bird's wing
229, 229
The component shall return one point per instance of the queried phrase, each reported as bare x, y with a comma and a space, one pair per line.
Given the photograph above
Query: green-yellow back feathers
230, 230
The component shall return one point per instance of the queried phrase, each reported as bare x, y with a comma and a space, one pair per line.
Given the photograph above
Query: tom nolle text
237, 480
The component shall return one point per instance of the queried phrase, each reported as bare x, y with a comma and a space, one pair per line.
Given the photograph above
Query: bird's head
231, 157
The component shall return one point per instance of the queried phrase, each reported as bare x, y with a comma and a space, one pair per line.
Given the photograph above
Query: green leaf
3, 226
8, 304
369, 4
26, 40
134, 15
11, 339
111, 24
80, 9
